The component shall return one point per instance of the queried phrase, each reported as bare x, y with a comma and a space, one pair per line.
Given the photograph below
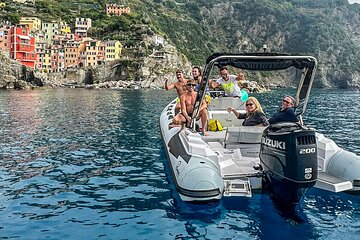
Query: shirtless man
187, 102
179, 86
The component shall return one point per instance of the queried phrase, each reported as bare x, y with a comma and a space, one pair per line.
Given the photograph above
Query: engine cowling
288, 156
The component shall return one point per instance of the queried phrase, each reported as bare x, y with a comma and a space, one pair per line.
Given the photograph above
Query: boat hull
194, 169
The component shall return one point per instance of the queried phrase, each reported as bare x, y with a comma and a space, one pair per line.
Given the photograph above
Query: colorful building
40, 46
22, 46
4, 37
57, 59
117, 10
91, 50
50, 29
82, 25
101, 51
72, 54
113, 50
64, 28
33, 23
46, 61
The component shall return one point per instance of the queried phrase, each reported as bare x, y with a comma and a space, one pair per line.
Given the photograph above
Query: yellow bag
207, 99
215, 125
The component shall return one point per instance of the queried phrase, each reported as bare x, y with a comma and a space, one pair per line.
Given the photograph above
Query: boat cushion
244, 134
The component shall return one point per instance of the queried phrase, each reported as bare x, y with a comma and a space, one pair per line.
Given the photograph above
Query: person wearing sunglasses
254, 115
228, 82
187, 101
286, 112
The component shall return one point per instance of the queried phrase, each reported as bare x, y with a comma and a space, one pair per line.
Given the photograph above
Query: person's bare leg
177, 108
204, 121
176, 122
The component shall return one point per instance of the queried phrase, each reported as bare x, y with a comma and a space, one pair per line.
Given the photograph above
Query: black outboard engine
288, 156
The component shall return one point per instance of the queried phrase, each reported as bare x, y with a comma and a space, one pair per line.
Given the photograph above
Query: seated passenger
187, 101
254, 115
227, 82
286, 113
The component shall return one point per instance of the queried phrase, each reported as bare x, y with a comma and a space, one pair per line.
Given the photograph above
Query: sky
354, 1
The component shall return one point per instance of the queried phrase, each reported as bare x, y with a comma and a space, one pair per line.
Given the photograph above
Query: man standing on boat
179, 86
228, 82
187, 102
285, 113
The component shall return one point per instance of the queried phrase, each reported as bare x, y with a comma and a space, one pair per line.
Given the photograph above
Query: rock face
13, 75
143, 72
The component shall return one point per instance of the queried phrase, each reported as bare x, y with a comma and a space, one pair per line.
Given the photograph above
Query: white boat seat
244, 134
224, 102
226, 119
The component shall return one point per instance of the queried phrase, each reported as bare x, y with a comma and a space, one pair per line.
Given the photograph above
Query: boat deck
232, 163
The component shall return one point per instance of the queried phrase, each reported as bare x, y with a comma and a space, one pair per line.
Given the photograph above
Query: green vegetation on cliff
327, 29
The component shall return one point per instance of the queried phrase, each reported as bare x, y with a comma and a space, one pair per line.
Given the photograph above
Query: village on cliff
49, 47
62, 57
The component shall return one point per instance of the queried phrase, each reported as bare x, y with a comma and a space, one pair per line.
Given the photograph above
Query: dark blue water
90, 164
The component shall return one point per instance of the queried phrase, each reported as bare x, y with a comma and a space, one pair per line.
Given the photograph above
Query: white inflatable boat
285, 158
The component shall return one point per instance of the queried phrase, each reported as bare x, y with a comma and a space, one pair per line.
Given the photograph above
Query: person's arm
213, 84
273, 118
291, 114
237, 114
203, 105
169, 87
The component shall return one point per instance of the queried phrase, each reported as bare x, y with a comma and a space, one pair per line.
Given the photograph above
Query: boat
285, 159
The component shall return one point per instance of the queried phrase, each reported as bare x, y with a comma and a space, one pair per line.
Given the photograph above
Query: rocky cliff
143, 72
13, 75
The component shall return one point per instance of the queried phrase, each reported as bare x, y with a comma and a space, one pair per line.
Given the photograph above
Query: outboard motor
288, 157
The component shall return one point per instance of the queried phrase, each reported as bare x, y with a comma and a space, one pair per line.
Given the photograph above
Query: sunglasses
249, 104
191, 85
285, 101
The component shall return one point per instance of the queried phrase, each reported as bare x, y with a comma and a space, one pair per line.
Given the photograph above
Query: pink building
117, 10
4, 38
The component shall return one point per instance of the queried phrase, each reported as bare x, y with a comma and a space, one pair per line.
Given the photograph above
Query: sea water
90, 164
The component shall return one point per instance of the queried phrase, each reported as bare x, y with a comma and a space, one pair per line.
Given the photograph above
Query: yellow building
33, 23
91, 49
45, 61
113, 50
64, 28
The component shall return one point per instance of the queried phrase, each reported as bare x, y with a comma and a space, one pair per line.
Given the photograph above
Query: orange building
72, 54
117, 10
22, 46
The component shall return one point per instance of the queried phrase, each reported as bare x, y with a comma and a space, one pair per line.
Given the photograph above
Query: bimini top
262, 62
